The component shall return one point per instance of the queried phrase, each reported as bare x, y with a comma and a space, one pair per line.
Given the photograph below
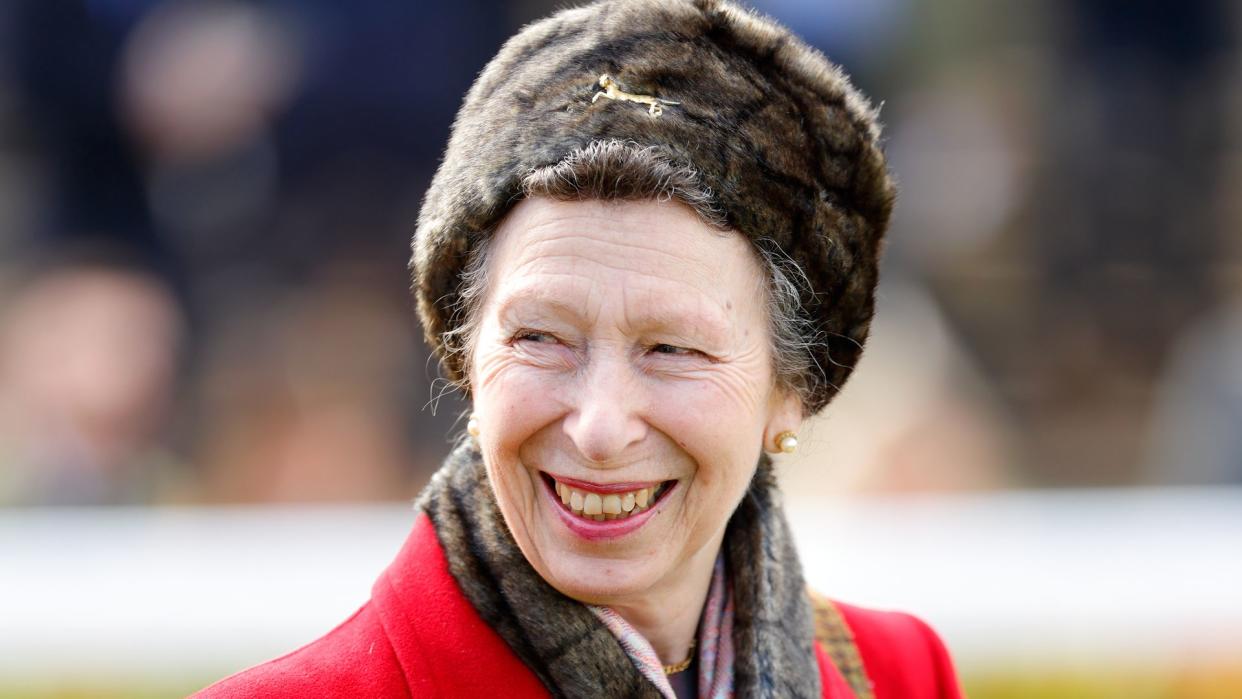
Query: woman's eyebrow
529, 301
703, 323
700, 324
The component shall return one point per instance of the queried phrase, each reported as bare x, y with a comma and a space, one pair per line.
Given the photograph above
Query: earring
787, 442
472, 426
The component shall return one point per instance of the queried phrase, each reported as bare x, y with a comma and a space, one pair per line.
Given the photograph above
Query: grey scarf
575, 655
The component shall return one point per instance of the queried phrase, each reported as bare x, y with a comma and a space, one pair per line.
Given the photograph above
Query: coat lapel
444, 648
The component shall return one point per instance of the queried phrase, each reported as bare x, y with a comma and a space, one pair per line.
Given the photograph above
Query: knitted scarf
570, 649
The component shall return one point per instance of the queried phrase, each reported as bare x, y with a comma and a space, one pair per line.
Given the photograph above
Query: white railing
1030, 577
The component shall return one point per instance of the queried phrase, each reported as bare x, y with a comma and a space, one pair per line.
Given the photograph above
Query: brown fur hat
789, 149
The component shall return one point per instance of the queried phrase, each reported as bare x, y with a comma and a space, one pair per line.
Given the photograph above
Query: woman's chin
601, 581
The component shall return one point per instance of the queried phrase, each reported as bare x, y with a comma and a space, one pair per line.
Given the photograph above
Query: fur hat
789, 149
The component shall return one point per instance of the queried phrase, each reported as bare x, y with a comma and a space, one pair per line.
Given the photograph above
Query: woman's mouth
590, 501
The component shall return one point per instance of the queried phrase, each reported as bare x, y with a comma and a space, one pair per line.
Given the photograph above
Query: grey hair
615, 170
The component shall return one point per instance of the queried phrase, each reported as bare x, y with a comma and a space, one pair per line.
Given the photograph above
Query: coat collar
565, 647
443, 646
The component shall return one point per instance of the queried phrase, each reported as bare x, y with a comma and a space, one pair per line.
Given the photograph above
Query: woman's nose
606, 419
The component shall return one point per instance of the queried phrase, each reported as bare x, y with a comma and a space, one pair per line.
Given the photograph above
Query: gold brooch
613, 92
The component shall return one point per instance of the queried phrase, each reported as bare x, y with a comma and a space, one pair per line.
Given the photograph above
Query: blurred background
206, 331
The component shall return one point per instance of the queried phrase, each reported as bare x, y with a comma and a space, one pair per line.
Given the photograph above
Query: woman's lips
597, 510
603, 488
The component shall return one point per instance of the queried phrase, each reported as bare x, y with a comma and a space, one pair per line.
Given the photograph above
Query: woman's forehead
643, 266
640, 246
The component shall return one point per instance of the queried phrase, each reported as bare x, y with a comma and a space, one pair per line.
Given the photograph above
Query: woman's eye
671, 349
534, 336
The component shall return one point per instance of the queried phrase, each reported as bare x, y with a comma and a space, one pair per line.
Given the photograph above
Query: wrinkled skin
625, 342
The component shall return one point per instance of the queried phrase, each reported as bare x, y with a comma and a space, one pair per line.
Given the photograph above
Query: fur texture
572, 653
789, 149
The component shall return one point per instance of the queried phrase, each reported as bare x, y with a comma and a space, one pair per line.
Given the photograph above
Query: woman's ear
784, 418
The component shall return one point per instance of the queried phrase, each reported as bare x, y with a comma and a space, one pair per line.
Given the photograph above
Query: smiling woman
610, 332
643, 290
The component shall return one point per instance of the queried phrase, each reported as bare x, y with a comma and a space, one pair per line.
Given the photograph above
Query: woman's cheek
718, 422
514, 400
732, 399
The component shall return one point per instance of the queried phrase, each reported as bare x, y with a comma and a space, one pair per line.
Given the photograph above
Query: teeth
592, 505
603, 508
612, 505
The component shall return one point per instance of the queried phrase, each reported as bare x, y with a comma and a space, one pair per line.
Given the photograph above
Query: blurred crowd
206, 205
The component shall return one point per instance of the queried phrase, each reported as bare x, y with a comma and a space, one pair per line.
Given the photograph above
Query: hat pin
613, 91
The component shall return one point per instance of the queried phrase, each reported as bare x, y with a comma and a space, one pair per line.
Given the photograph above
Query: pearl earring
472, 426
787, 442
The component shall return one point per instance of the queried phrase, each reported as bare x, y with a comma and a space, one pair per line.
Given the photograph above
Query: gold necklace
678, 667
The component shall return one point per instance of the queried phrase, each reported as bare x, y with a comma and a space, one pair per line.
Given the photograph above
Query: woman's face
622, 358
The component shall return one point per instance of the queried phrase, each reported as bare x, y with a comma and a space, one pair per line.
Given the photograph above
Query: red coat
420, 637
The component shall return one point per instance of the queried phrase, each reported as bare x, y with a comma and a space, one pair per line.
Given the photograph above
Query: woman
649, 252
